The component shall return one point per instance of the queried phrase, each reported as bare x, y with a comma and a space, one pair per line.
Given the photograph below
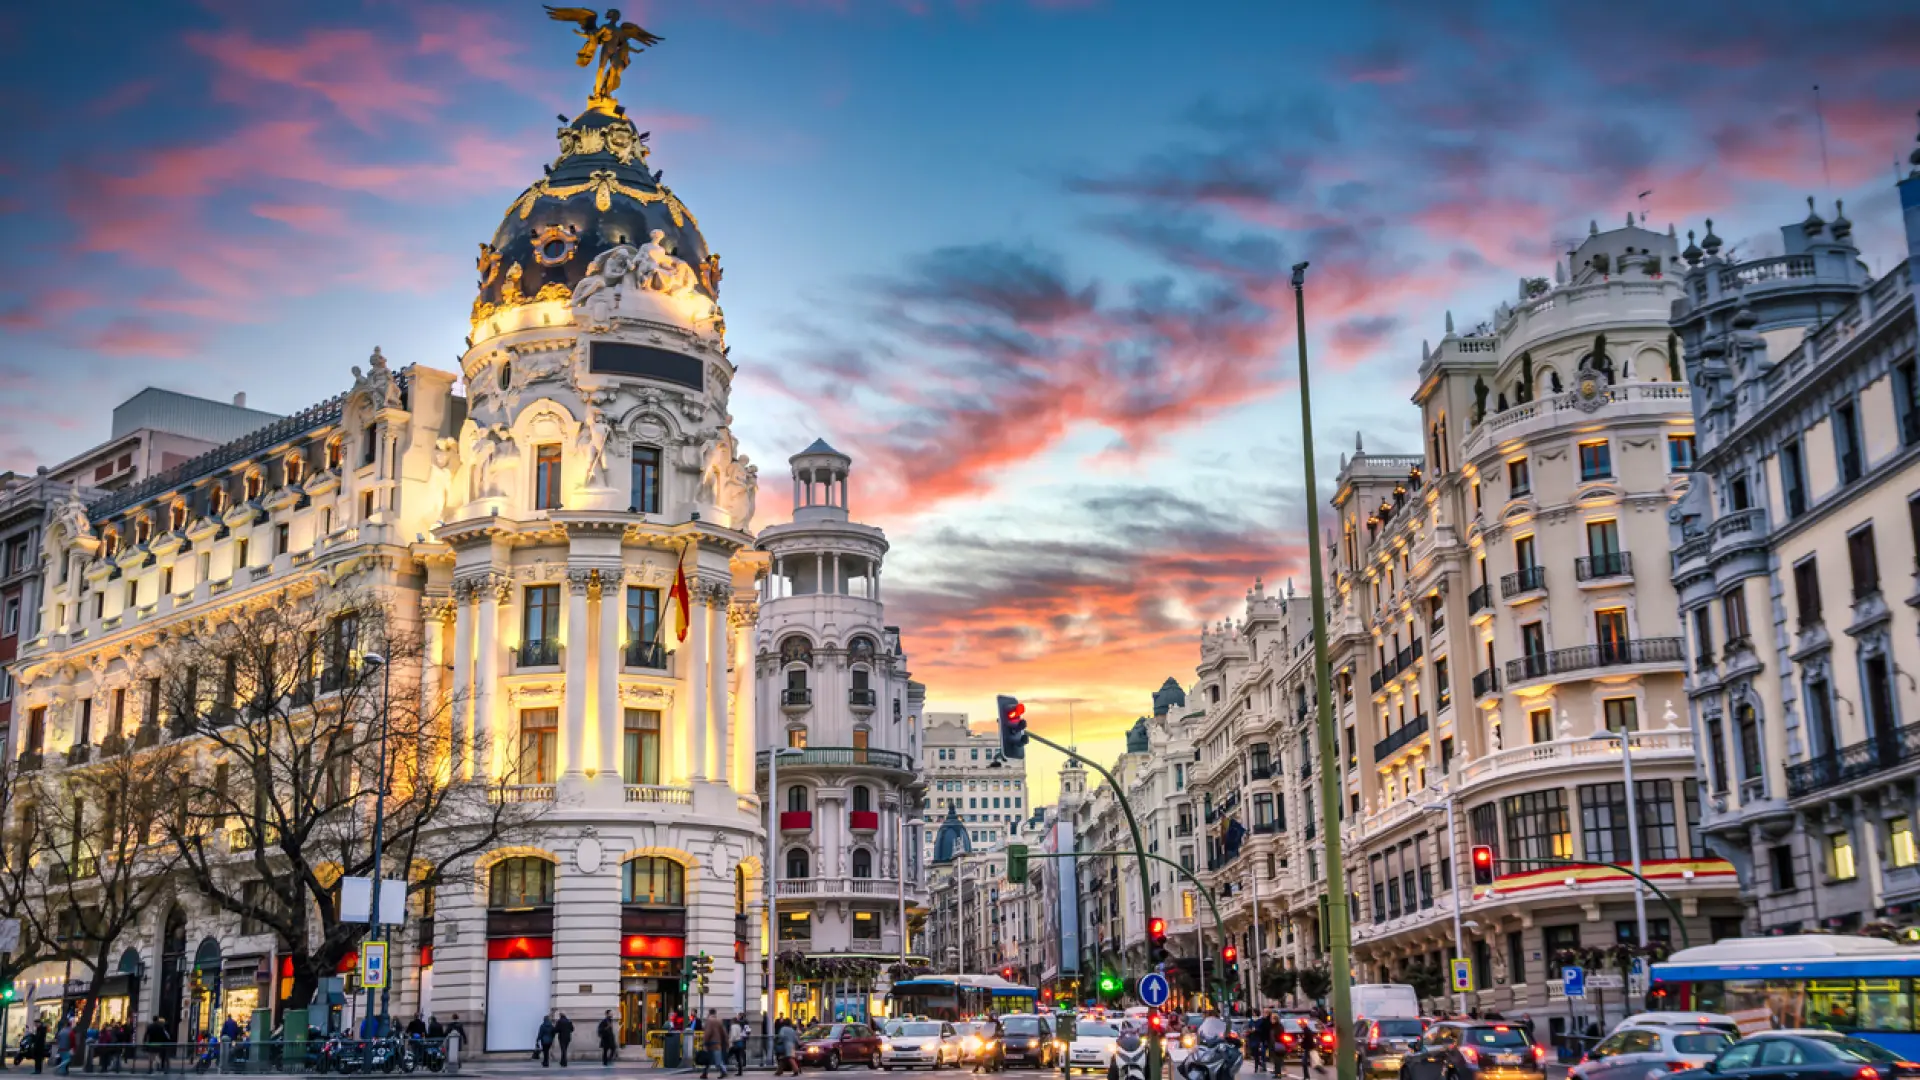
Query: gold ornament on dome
510, 293
554, 244
614, 42
604, 184
488, 264
617, 138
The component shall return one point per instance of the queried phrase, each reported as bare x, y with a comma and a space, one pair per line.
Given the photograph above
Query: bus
961, 997
1857, 985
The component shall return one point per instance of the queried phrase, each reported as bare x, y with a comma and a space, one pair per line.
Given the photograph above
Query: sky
1025, 260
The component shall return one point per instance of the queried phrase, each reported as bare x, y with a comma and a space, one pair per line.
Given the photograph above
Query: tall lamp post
371, 661
1339, 925
900, 872
1633, 825
1453, 860
773, 915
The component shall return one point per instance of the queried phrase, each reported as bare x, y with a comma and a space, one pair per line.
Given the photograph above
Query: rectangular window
12, 624
1717, 751
1556, 941
1806, 590
1603, 822
540, 622
83, 731
640, 762
1610, 634
1596, 460
1446, 754
1846, 442
1519, 478
1780, 861
1733, 611
1690, 799
1537, 826
1659, 832
1524, 555
1679, 453
1900, 847
1906, 401
1540, 725
539, 746
1739, 496
1864, 561
1516, 958
282, 536
118, 717
546, 477
1793, 478
643, 617
646, 479
1702, 638
1483, 824
1442, 684
1840, 857
1622, 713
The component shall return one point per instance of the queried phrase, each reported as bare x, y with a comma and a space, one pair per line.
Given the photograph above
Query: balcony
540, 652
1612, 564
1670, 744
863, 698
844, 886
1486, 682
1525, 580
842, 757
1264, 770
523, 793
660, 794
1611, 654
1728, 533
79, 754
796, 699
1399, 738
30, 761
647, 655
863, 820
796, 821
1184, 829
1268, 828
1479, 600
1853, 762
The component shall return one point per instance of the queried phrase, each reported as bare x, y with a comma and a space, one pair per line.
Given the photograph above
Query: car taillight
1539, 1055
1472, 1055
1373, 1040
1867, 1072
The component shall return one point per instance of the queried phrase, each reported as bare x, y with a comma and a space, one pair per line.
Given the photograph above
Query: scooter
1216, 1058
1327, 1045
1129, 1060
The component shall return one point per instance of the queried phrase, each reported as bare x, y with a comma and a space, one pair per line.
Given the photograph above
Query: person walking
737, 1035
563, 1032
609, 1043
37, 1046
1306, 1047
786, 1047
159, 1044
543, 1041
63, 1046
435, 1029
713, 1044
1259, 1037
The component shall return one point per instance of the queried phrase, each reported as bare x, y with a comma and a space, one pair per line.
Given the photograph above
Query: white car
1718, 1021
1092, 1046
1646, 1052
911, 1044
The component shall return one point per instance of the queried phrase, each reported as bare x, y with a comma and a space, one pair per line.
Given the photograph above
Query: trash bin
670, 1051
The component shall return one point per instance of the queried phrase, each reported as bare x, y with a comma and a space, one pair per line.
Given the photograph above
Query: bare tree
103, 850
20, 893
280, 805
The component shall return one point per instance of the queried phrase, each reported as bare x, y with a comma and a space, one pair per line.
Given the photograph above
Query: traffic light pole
1205, 893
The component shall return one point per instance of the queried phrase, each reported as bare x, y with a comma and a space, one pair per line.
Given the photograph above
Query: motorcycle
1129, 1060
1216, 1058
383, 1054
1327, 1046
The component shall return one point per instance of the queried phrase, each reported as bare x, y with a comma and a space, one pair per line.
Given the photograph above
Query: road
514, 1067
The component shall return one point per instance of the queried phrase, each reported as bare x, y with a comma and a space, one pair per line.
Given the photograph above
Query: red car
831, 1044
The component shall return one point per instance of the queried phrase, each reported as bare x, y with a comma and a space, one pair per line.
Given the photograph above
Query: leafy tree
1279, 982
286, 713
1315, 982
1428, 980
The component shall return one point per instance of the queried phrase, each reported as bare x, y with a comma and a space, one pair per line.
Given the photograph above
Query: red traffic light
1482, 865
1013, 728
1007, 973
1229, 955
1157, 930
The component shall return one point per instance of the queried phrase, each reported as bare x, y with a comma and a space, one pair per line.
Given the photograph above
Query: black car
1461, 1049
1805, 1055
1027, 1040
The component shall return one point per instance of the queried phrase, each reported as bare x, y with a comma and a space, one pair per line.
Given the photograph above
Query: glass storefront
649, 994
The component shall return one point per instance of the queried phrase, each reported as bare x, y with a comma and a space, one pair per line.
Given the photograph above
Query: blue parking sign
1573, 981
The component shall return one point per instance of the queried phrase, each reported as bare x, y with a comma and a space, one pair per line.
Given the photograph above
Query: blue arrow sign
1153, 989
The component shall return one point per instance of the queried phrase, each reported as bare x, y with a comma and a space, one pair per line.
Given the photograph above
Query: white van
1384, 1001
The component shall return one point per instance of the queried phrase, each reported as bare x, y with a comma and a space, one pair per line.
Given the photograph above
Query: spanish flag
681, 599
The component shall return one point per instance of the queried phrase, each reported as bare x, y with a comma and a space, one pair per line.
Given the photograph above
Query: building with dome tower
836, 695
569, 539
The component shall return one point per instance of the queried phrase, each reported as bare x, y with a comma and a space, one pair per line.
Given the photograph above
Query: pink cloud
130, 337
355, 71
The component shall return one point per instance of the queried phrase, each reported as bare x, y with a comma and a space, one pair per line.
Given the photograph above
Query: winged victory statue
613, 40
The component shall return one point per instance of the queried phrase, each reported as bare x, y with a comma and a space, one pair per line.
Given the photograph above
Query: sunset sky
1024, 259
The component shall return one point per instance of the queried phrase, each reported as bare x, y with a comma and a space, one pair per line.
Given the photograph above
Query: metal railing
795, 698
1399, 738
1486, 682
863, 698
1864, 758
540, 652
1605, 565
842, 756
1479, 600
1624, 653
1524, 580
644, 654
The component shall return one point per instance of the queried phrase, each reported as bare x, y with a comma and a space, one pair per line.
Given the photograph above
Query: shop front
653, 950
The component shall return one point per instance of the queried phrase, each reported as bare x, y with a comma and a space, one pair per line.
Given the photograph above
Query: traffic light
1157, 931
1482, 865
703, 967
1017, 863
1013, 728
686, 972
1109, 984
1230, 958
7, 991
1007, 973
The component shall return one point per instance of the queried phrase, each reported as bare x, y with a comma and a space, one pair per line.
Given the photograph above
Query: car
909, 1044
1384, 1043
1290, 1031
1027, 1040
831, 1044
1804, 1054
1466, 1049
1719, 1021
1641, 1052
977, 1040
1092, 1045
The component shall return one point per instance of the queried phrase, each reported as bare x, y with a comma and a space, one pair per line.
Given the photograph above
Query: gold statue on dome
613, 40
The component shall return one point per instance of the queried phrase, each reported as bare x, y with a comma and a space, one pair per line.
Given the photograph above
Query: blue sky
1026, 260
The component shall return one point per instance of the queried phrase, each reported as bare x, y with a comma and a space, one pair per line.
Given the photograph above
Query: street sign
1153, 989
1462, 974
1637, 977
1573, 981
373, 964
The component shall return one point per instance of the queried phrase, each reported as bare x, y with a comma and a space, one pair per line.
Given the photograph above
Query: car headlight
1031, 1043
813, 1049
970, 1043
1186, 1042
885, 1045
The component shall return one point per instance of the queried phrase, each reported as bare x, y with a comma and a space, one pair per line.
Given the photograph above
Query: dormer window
217, 500
142, 529
335, 452
296, 469
253, 485
110, 543
177, 516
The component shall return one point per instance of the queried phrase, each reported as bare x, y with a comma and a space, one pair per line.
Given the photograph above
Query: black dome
598, 194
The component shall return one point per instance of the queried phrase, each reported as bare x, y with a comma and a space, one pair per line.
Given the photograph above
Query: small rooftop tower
820, 483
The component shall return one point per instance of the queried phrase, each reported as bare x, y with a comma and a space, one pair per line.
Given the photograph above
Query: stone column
746, 719
574, 739
719, 653
432, 669
460, 697
492, 591
695, 675
612, 715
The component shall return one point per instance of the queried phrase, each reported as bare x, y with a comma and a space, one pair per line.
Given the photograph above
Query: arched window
110, 542
253, 484
336, 450
862, 798
521, 882
862, 863
296, 468
651, 879
796, 798
796, 650
797, 863
143, 529
861, 649
177, 516
217, 500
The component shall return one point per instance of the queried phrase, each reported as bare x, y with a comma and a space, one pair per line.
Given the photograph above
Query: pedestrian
1306, 1047
63, 1046
37, 1046
1259, 1037
786, 1046
713, 1044
456, 1039
737, 1035
609, 1041
563, 1032
159, 1044
416, 1028
109, 1047
543, 1041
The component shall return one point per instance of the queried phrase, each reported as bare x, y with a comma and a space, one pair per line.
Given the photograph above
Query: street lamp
773, 903
369, 662
902, 824
1633, 826
1459, 939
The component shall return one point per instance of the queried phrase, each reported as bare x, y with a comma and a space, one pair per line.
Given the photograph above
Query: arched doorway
173, 955
204, 1006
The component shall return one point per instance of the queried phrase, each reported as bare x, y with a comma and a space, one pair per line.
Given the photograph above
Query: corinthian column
719, 651
607, 675
746, 723
696, 679
492, 590
460, 696
573, 745
433, 672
